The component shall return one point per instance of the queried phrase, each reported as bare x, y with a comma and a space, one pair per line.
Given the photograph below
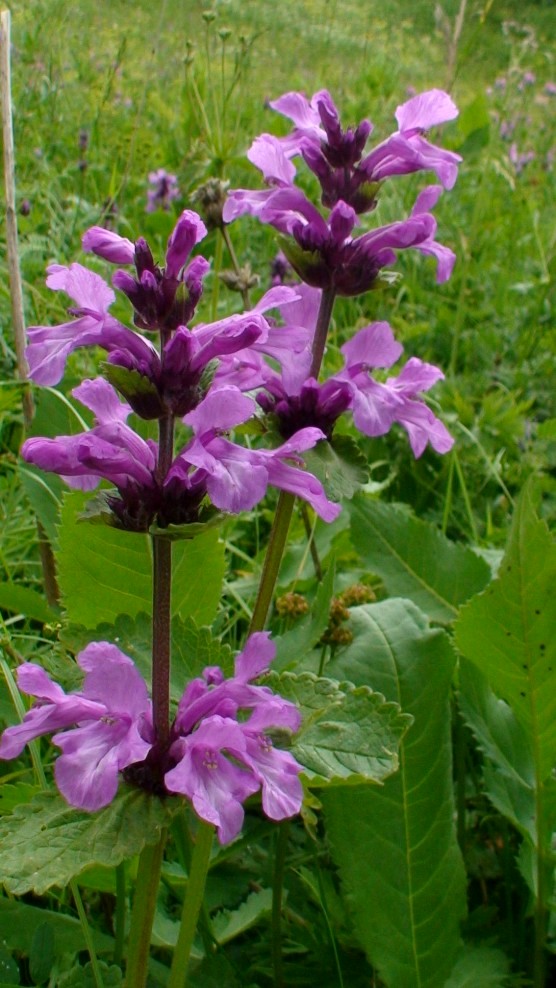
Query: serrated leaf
508, 631
340, 466
193, 648
24, 600
47, 843
103, 572
292, 646
509, 771
414, 559
229, 924
406, 881
349, 734
480, 967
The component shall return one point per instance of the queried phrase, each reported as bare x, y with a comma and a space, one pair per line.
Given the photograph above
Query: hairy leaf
349, 734
47, 843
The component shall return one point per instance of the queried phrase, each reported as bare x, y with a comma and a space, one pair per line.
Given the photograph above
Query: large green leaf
103, 572
47, 843
414, 559
349, 734
508, 631
395, 844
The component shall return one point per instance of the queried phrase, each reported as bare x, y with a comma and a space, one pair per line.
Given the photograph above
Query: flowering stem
273, 558
286, 501
191, 905
162, 587
162, 591
142, 913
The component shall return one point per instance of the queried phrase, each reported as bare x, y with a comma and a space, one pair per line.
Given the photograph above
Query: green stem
119, 919
284, 509
142, 913
191, 906
216, 280
235, 264
87, 935
273, 558
185, 845
277, 892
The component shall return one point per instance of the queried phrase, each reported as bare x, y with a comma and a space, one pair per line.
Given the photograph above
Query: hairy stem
162, 592
142, 914
192, 905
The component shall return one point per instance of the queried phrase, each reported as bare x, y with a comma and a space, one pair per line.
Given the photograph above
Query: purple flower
237, 478
113, 717
220, 761
164, 189
163, 297
376, 405
50, 346
336, 155
324, 253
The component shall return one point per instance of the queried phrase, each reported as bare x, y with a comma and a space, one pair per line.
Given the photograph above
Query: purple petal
85, 287
278, 773
267, 154
373, 346
255, 658
112, 678
104, 243
188, 231
221, 408
426, 110
103, 400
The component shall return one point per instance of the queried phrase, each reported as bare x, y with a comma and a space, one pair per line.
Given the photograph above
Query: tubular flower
220, 751
109, 721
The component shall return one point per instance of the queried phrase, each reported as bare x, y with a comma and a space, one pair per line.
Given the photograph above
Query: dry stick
16, 293
14, 274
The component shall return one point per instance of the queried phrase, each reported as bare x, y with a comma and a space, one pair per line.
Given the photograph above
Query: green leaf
20, 921
395, 845
42, 954
23, 600
414, 559
136, 388
294, 645
104, 572
47, 843
192, 648
9, 969
509, 770
508, 631
229, 924
340, 466
480, 967
349, 734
